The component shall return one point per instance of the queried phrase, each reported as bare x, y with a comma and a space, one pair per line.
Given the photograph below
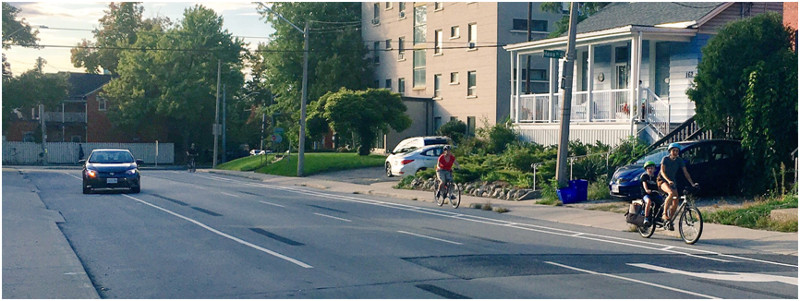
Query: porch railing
605, 106
658, 113
64, 117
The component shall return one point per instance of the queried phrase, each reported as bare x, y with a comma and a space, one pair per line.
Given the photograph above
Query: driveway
363, 176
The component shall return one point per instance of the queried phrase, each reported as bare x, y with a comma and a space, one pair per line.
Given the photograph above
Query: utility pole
224, 128
302, 143
301, 147
216, 116
566, 85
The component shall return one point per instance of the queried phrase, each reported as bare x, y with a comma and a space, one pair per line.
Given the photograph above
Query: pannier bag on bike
635, 214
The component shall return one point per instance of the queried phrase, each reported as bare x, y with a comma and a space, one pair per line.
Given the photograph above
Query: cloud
80, 14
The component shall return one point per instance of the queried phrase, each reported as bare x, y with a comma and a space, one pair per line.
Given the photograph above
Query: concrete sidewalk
38, 262
755, 240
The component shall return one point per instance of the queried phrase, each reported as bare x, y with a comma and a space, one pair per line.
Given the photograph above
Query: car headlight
130, 172
91, 173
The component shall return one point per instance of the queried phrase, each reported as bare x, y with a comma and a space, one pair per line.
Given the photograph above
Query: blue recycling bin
577, 191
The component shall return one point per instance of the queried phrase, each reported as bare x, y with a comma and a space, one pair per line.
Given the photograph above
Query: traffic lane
132, 251
344, 211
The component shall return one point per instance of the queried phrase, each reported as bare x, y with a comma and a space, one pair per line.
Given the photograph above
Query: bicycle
190, 166
452, 192
690, 224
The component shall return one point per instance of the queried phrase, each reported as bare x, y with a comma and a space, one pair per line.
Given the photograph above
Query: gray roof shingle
646, 14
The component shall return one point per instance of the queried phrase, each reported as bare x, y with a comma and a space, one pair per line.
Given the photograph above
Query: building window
455, 32
102, 103
76, 139
376, 14
402, 9
437, 48
401, 85
538, 74
376, 84
438, 6
419, 68
375, 56
472, 82
401, 50
454, 78
453, 118
437, 85
389, 83
420, 24
536, 25
388, 5
388, 44
437, 123
472, 31
470, 125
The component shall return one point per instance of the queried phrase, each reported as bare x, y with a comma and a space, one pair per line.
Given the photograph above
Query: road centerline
430, 237
333, 217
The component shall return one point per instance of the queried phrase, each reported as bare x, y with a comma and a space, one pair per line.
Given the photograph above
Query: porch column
590, 86
511, 107
518, 86
551, 86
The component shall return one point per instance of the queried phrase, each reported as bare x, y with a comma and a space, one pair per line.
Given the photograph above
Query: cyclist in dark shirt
649, 189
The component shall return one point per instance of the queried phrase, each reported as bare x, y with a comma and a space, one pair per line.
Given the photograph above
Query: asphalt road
211, 236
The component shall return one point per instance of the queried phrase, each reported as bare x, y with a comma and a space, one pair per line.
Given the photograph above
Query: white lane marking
74, 176
632, 280
430, 237
726, 276
637, 243
228, 194
667, 248
220, 233
333, 217
271, 204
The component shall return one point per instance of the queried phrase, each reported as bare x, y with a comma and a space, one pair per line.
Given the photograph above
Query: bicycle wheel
455, 195
439, 199
690, 225
647, 231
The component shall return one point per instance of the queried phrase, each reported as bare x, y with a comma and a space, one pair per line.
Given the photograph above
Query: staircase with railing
690, 130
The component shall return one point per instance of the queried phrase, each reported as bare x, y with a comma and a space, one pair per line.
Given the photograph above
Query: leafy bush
549, 193
469, 172
499, 136
757, 214
598, 190
427, 174
455, 129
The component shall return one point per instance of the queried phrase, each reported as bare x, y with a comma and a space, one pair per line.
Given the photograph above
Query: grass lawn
756, 215
314, 163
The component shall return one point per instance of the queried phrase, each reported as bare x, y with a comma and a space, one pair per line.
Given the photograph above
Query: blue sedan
111, 169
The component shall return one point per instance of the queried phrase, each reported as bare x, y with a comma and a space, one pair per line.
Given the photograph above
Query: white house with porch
654, 44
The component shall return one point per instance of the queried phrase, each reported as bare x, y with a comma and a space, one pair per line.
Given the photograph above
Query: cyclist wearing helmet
649, 188
667, 179
444, 168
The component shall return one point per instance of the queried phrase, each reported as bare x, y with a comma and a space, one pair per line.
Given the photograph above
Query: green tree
175, 87
585, 9
120, 28
365, 113
455, 129
337, 55
751, 92
31, 89
17, 31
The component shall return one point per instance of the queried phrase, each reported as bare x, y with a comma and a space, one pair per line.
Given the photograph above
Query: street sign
278, 131
276, 138
554, 53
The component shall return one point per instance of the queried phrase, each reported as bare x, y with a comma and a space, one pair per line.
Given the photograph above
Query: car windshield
111, 157
436, 141
656, 155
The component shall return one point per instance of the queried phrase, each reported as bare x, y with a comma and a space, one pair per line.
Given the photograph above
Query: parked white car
409, 163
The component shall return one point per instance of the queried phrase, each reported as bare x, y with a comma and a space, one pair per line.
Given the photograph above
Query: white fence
606, 106
26, 153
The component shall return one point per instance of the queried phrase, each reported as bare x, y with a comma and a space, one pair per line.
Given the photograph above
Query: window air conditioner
402, 14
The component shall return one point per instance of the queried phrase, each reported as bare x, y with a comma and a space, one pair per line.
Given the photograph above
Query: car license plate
111, 180
615, 188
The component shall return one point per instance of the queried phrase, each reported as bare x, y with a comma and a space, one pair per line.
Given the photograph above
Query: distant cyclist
667, 179
650, 189
444, 168
191, 154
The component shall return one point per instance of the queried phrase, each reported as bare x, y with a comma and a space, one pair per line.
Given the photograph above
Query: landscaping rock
784, 215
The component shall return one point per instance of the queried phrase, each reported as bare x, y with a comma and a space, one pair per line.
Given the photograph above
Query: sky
68, 23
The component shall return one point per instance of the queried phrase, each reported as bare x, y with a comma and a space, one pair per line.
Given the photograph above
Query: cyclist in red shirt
444, 169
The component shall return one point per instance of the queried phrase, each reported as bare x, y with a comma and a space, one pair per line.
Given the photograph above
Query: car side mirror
139, 162
82, 161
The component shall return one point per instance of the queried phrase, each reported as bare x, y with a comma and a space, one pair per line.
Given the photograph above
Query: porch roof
618, 21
